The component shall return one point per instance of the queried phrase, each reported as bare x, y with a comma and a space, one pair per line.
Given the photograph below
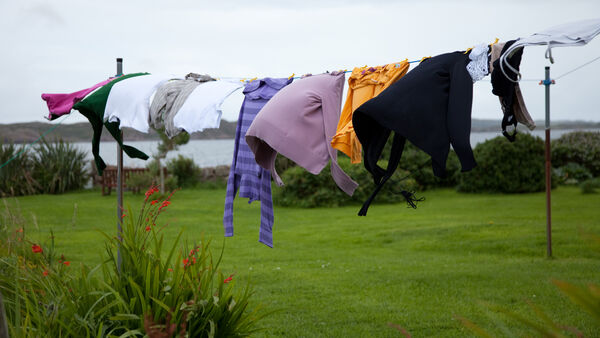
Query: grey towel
168, 100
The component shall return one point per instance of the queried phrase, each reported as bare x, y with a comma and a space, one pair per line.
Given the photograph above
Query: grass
334, 274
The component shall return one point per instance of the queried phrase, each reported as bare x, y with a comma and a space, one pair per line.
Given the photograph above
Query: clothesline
414, 61
244, 79
250, 79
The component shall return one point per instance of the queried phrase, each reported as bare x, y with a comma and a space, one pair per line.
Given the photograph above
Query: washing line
348, 71
577, 68
34, 142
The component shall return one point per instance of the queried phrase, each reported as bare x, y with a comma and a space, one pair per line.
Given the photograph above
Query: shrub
59, 167
413, 158
185, 171
151, 290
305, 190
572, 173
579, 147
15, 176
137, 182
590, 186
506, 167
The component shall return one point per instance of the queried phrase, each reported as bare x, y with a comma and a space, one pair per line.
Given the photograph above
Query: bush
590, 186
59, 167
305, 190
572, 173
579, 147
151, 291
505, 167
185, 171
15, 176
413, 158
139, 181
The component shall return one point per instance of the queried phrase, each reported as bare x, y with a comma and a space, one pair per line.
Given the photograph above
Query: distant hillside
82, 132
478, 125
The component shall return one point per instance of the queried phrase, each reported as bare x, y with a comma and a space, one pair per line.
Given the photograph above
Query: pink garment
299, 122
61, 104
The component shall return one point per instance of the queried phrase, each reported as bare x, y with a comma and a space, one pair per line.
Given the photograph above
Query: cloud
45, 13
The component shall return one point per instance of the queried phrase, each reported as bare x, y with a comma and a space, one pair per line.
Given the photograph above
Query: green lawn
335, 274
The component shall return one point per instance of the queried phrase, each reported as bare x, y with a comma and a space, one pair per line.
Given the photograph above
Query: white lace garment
478, 67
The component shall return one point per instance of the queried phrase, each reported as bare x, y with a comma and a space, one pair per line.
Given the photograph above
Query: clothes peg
468, 50
291, 76
252, 79
425, 57
495, 42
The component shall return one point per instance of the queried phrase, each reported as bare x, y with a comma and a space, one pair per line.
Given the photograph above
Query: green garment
92, 107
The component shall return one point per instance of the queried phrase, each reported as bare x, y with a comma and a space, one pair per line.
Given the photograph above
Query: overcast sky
64, 46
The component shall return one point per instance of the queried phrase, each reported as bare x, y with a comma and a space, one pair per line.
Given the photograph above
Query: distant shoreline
82, 132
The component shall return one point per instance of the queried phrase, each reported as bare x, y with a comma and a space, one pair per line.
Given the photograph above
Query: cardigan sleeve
458, 119
331, 105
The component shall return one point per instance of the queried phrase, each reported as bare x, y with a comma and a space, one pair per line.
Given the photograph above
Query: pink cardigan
61, 104
299, 122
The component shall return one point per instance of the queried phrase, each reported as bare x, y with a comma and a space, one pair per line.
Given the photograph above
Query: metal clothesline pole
119, 180
547, 82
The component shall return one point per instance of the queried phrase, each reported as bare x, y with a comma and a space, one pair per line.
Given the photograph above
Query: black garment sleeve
458, 119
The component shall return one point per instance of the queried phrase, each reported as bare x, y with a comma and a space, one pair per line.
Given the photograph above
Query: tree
167, 144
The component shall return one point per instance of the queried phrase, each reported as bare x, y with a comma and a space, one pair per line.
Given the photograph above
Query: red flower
186, 262
151, 191
169, 269
164, 205
228, 279
123, 216
19, 230
67, 263
154, 202
45, 273
148, 228
36, 248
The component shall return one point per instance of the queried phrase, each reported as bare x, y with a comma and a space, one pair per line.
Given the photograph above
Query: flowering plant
142, 288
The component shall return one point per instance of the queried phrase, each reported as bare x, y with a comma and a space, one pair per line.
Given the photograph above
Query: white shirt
129, 101
571, 34
202, 109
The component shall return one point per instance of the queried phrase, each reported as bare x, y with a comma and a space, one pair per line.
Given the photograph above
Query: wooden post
119, 179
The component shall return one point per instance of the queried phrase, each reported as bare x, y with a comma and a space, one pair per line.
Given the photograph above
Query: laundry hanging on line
92, 107
245, 175
61, 104
363, 84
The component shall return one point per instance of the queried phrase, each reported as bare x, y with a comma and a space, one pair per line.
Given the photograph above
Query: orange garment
363, 84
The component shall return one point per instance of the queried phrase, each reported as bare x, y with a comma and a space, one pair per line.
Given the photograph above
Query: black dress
430, 106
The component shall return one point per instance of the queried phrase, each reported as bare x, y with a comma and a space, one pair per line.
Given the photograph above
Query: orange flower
228, 279
148, 228
36, 248
19, 230
67, 263
45, 273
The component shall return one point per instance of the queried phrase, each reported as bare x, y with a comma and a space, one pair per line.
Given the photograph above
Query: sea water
210, 153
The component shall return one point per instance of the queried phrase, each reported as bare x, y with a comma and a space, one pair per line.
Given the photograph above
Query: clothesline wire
577, 68
348, 71
298, 77
34, 142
